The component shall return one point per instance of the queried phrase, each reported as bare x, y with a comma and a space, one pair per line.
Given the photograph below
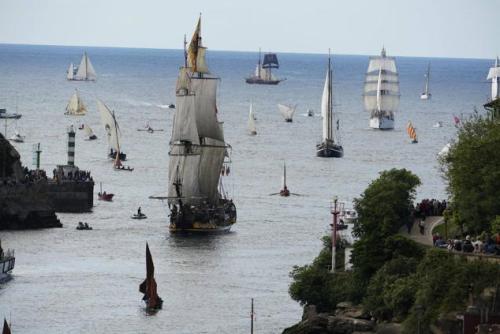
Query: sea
69, 281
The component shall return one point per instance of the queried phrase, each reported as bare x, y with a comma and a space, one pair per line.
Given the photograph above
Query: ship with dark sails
198, 151
263, 71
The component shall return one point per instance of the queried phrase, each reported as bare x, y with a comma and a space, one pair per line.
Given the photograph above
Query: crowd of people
77, 175
430, 207
33, 176
485, 244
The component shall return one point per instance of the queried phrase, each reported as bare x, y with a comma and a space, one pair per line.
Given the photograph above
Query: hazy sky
444, 28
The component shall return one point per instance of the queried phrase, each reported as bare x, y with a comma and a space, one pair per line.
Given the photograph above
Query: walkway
426, 238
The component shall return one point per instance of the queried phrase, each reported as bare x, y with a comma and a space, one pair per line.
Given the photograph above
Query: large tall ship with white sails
381, 91
196, 195
263, 71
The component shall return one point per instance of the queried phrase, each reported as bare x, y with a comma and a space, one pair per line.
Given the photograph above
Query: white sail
251, 121
286, 111
75, 105
494, 76
85, 70
326, 104
283, 179
110, 124
70, 73
205, 91
184, 128
201, 62
88, 131
427, 78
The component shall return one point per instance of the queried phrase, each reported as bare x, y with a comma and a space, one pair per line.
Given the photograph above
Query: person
139, 213
421, 225
467, 245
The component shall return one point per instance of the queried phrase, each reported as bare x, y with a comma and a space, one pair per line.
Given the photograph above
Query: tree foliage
471, 169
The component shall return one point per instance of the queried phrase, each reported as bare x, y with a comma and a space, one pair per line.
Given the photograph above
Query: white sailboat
71, 72
85, 71
287, 111
251, 122
113, 133
330, 146
75, 106
89, 134
17, 137
381, 91
494, 76
196, 195
426, 95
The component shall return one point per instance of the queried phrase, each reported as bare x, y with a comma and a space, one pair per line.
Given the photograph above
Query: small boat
84, 72
137, 216
310, 113
149, 287
263, 75
411, 133
494, 76
287, 111
284, 192
103, 196
6, 328
75, 106
149, 129
117, 166
108, 120
251, 122
171, 106
7, 262
426, 95
347, 216
444, 151
89, 134
438, 124
16, 137
83, 227
5, 115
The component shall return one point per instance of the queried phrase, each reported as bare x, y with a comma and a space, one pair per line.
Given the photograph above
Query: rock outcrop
23, 205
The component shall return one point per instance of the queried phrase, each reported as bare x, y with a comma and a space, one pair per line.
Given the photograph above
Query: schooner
196, 196
263, 74
381, 91
84, 72
426, 95
330, 146
75, 106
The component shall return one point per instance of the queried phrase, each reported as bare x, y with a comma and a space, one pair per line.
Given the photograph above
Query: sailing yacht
148, 287
17, 137
75, 106
284, 189
426, 95
198, 151
84, 72
263, 74
330, 146
494, 76
411, 133
113, 132
381, 91
287, 111
89, 134
251, 122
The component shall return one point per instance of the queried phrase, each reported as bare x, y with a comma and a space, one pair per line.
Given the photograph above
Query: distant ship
411, 133
494, 76
330, 146
287, 111
196, 195
381, 91
113, 132
75, 106
426, 95
89, 134
7, 262
263, 74
84, 72
252, 129
6, 115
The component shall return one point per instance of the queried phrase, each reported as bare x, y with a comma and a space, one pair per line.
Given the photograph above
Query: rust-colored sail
194, 47
6, 328
148, 287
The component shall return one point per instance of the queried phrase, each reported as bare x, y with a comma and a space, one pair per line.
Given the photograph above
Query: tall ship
84, 72
330, 146
263, 71
198, 151
494, 76
426, 95
75, 106
381, 91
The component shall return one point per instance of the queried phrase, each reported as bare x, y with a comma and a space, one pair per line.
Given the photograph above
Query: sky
421, 28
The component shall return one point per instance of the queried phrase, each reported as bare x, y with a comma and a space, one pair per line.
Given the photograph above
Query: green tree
471, 169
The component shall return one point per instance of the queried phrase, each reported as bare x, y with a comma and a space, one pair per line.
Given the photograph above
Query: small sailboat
75, 106
103, 196
89, 134
426, 95
438, 124
263, 74
287, 111
6, 328
149, 287
284, 190
17, 137
310, 112
84, 72
444, 151
108, 120
381, 91
330, 146
251, 122
411, 133
494, 76
7, 115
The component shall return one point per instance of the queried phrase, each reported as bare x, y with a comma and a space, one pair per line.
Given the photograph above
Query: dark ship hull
259, 81
122, 156
203, 219
329, 150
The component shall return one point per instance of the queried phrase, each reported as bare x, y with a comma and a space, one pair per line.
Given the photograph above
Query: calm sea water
69, 281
